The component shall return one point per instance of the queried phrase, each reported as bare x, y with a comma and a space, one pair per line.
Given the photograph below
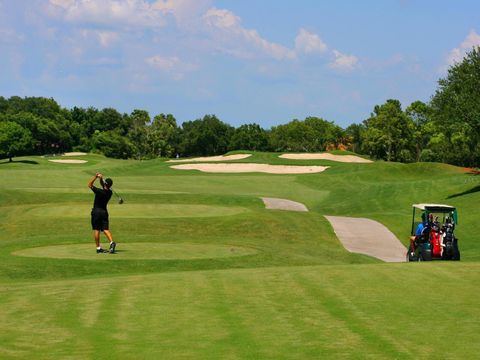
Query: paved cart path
365, 236
283, 204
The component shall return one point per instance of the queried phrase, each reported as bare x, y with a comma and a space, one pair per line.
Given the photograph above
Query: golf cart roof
442, 208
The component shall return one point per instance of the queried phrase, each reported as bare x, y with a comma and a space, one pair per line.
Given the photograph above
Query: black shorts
99, 219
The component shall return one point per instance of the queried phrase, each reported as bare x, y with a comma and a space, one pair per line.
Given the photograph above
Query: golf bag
450, 243
435, 240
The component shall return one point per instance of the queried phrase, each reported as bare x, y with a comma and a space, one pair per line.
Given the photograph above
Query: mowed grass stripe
277, 313
144, 211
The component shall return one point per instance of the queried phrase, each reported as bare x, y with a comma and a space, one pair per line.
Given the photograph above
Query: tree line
38, 126
447, 129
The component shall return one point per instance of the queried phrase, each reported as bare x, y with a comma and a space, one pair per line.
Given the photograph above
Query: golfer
100, 212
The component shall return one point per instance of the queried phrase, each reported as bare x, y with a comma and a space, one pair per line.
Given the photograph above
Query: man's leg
96, 235
109, 236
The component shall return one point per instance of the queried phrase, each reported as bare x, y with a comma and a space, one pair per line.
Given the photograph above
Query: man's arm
90, 183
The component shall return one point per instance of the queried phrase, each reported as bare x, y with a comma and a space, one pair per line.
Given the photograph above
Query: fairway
204, 270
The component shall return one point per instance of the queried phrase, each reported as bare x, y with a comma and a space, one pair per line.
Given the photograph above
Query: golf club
120, 199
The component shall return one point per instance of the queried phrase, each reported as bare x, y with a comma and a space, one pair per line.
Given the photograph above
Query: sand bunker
326, 156
369, 237
69, 161
248, 168
215, 158
75, 154
283, 204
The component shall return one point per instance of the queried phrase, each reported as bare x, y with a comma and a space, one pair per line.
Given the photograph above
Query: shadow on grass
472, 173
466, 192
30, 162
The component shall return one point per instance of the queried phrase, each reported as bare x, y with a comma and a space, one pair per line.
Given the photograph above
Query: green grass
140, 250
204, 271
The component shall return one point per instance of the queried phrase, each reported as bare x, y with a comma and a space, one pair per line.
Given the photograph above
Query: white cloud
187, 13
309, 43
171, 65
193, 27
136, 13
343, 62
233, 38
182, 8
457, 54
222, 18
63, 3
103, 38
106, 38
10, 36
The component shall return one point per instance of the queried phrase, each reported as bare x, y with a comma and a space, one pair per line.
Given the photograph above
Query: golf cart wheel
456, 255
425, 255
411, 256
456, 252
447, 252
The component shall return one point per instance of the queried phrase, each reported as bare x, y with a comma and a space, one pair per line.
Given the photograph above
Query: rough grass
295, 293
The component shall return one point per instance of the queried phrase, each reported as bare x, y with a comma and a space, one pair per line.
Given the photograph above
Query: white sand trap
283, 204
69, 161
326, 156
369, 237
248, 168
75, 154
215, 158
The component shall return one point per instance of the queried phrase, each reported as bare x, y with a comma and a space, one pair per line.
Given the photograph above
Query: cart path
283, 204
369, 237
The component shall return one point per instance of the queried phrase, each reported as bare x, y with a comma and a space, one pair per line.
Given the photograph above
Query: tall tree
15, 140
456, 110
138, 132
326, 133
355, 134
420, 114
110, 119
162, 136
112, 144
388, 133
207, 136
47, 135
294, 136
249, 137
311, 134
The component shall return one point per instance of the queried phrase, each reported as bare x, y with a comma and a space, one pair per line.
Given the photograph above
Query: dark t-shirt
102, 197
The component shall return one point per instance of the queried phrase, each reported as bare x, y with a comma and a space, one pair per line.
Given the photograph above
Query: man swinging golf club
100, 212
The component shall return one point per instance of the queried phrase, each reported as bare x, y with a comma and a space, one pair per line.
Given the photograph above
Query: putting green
138, 210
137, 251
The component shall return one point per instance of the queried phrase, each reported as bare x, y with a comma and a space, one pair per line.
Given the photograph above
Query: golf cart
432, 236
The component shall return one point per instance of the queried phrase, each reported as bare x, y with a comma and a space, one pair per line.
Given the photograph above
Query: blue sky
246, 61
